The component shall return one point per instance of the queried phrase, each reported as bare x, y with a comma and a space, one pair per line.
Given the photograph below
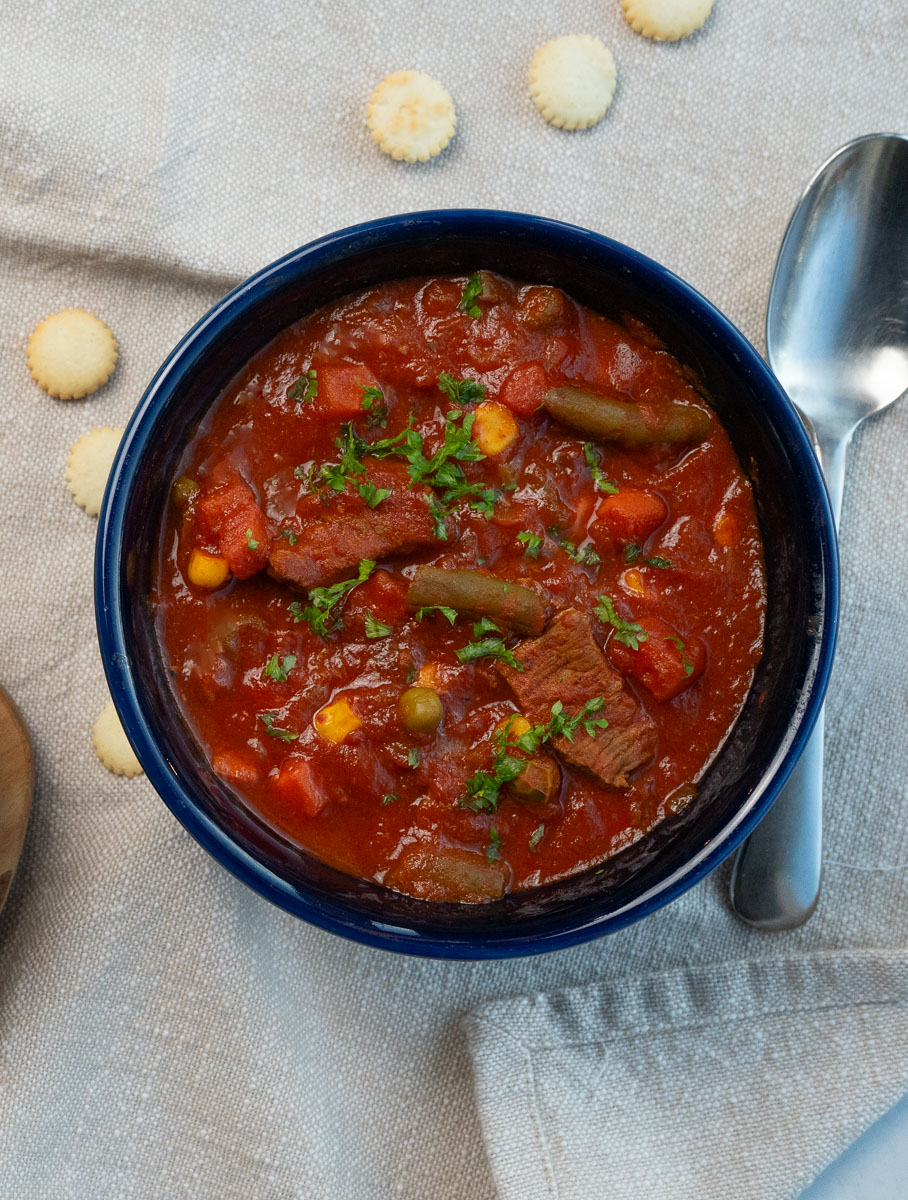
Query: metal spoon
17, 775
837, 338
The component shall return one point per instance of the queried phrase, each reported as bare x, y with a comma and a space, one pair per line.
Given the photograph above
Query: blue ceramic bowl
801, 564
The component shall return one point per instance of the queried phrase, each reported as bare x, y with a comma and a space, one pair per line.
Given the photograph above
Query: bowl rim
574, 928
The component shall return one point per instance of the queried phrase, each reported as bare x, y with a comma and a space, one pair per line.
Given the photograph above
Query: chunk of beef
333, 538
230, 515
566, 664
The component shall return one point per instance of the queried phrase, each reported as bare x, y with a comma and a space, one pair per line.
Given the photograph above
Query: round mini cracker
88, 467
111, 744
411, 116
666, 20
572, 80
71, 354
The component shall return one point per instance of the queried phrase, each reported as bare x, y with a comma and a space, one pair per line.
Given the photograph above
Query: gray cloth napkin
737, 1080
163, 1031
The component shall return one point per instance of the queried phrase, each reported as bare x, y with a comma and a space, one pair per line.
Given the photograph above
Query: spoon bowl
837, 320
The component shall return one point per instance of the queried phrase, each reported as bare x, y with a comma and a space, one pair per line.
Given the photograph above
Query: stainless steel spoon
837, 337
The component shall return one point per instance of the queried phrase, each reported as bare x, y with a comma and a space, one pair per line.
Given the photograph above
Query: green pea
420, 709
184, 491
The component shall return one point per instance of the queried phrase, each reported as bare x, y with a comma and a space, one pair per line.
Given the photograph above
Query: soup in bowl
462, 610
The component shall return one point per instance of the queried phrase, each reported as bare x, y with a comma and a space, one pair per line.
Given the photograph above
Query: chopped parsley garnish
628, 633
389, 798
536, 836
250, 540
305, 389
441, 471
484, 788
335, 476
488, 647
461, 391
278, 670
398, 444
600, 481
450, 613
562, 725
371, 494
323, 600
471, 293
633, 550
584, 556
685, 661
285, 735
438, 515
484, 625
493, 849
414, 758
289, 535
531, 543
376, 628
373, 403
411, 673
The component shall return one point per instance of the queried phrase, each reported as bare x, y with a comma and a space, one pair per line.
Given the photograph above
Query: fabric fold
741, 1080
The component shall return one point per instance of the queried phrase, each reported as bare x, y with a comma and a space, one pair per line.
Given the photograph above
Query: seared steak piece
566, 664
332, 538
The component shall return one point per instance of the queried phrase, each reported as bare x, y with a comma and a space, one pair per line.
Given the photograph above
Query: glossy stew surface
651, 548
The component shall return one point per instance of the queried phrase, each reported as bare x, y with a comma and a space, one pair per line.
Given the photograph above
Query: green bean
475, 595
420, 709
620, 421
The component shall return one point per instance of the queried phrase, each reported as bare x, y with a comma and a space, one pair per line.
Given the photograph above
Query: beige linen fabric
164, 1032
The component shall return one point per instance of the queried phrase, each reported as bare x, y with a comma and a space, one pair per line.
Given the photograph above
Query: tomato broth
293, 556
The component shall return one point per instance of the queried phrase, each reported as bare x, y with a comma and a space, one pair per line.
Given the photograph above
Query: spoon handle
775, 880
832, 450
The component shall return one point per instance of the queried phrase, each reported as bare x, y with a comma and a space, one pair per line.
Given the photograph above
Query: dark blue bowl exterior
802, 570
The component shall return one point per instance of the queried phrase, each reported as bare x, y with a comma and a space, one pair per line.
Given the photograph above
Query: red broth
384, 803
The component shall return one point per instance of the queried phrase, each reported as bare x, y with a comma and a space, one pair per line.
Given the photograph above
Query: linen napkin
164, 1032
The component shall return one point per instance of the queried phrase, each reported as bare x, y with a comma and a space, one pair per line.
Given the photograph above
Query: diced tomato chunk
631, 516
665, 663
298, 787
339, 390
234, 767
524, 388
616, 361
232, 517
383, 595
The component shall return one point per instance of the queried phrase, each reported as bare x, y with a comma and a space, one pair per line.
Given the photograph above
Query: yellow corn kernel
633, 581
336, 721
515, 725
206, 570
494, 428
